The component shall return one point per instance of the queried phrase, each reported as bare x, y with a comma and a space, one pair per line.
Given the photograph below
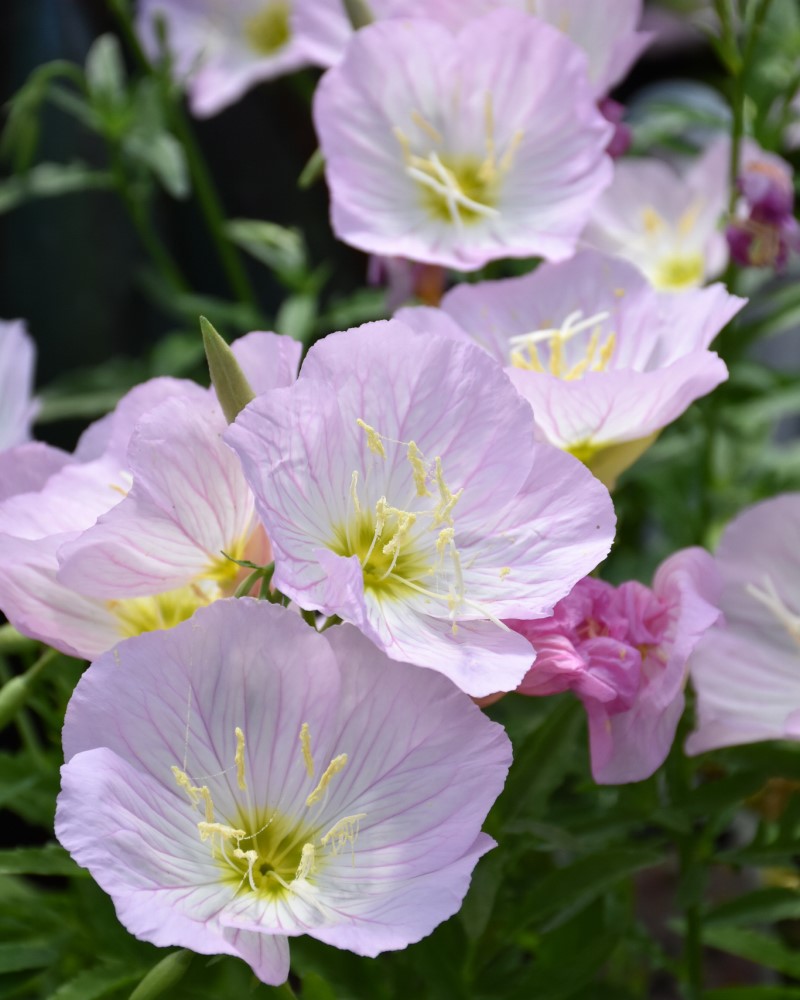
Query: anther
418, 469
307, 862
305, 743
374, 442
239, 760
332, 769
342, 833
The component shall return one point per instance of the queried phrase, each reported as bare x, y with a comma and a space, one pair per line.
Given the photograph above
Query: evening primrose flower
744, 672
665, 219
623, 651
134, 532
486, 144
243, 779
606, 32
402, 489
224, 47
604, 360
17, 359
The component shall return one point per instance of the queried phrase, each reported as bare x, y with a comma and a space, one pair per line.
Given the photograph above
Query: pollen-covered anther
196, 793
222, 830
596, 358
239, 760
443, 513
374, 442
342, 833
305, 744
418, 469
307, 862
335, 766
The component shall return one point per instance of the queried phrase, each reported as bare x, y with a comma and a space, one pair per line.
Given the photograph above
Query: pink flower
402, 489
241, 779
604, 360
745, 670
605, 31
623, 651
17, 359
223, 49
666, 219
128, 534
460, 149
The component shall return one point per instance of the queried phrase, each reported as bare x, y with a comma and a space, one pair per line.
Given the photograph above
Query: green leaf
18, 955
476, 910
312, 171
51, 859
163, 976
105, 72
296, 317
316, 988
281, 249
755, 947
93, 984
570, 889
50, 180
760, 906
164, 155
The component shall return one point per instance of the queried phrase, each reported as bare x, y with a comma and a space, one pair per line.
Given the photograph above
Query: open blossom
623, 651
457, 149
745, 671
607, 32
222, 49
402, 489
604, 360
666, 219
17, 359
132, 533
281, 783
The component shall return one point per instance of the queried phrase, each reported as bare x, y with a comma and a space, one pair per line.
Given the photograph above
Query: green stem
211, 207
205, 189
12, 642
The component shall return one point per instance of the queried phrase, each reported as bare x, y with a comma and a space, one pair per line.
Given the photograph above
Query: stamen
488, 170
250, 857
305, 743
507, 160
405, 145
354, 491
374, 442
221, 830
425, 126
653, 222
381, 509
307, 862
335, 766
344, 832
239, 760
419, 470
182, 778
443, 514
504, 572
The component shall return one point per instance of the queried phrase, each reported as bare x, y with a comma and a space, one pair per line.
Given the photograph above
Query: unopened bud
233, 389
162, 977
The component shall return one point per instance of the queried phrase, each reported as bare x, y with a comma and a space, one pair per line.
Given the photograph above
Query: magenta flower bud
622, 138
766, 184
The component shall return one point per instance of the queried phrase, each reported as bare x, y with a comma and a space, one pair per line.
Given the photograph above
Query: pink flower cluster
435, 486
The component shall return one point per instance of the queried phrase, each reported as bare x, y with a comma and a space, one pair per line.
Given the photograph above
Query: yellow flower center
457, 188
136, 615
262, 850
269, 30
677, 272
564, 363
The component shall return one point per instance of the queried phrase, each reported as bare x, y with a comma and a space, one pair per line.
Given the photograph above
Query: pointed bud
359, 13
162, 977
233, 389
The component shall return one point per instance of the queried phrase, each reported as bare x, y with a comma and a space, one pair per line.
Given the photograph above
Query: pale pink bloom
665, 218
607, 32
623, 651
17, 360
745, 671
242, 779
460, 149
128, 534
604, 360
222, 48
403, 490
